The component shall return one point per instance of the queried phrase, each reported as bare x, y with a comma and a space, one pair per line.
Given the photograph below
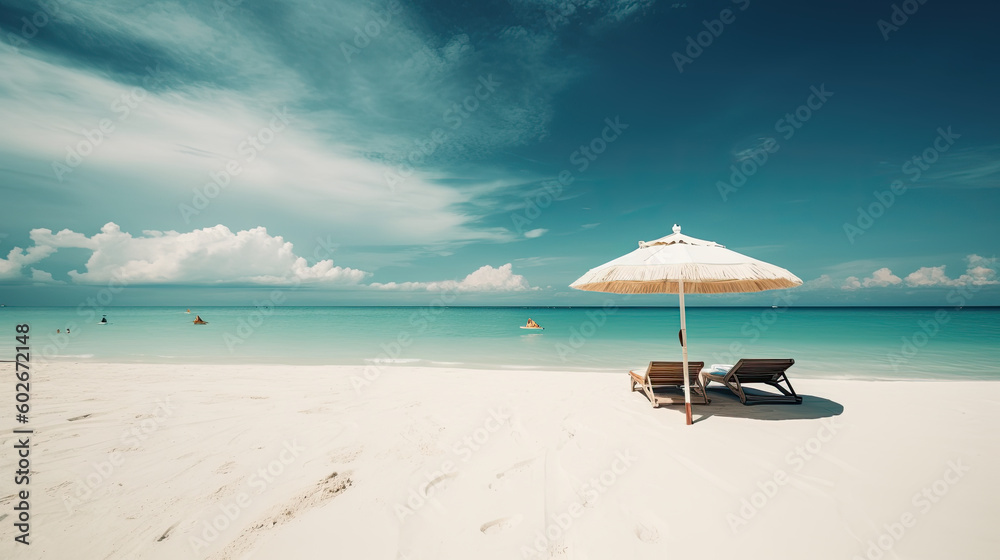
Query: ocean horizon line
517, 306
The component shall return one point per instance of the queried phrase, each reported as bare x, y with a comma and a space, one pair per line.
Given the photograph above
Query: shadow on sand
726, 404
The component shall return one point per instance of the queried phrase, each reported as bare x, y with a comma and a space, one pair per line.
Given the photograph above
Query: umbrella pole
684, 354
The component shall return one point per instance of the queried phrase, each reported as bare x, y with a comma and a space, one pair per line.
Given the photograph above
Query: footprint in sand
502, 524
565, 437
647, 533
316, 496
443, 479
346, 455
166, 533
505, 476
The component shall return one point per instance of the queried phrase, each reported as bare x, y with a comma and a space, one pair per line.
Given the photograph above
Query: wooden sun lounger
669, 375
748, 371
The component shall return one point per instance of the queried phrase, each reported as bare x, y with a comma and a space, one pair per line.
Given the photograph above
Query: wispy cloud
593, 15
970, 168
486, 279
172, 142
532, 262
184, 83
757, 148
824, 282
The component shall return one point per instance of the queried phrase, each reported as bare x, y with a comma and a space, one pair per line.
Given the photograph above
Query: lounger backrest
672, 373
753, 370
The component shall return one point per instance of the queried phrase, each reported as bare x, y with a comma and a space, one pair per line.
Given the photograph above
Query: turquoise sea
867, 343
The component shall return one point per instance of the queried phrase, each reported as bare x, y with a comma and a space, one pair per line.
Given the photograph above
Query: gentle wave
392, 360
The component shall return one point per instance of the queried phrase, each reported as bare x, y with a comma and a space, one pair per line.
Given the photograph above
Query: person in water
104, 319
532, 323
198, 321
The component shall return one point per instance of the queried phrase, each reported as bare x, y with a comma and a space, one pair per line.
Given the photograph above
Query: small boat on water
532, 325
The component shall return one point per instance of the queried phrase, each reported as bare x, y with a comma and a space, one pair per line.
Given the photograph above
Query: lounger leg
704, 394
782, 389
735, 387
790, 392
787, 395
648, 389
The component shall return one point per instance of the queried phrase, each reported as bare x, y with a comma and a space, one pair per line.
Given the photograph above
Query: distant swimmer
57, 331
104, 319
188, 311
532, 324
198, 321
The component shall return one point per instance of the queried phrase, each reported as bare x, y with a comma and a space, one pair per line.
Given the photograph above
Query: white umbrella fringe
698, 278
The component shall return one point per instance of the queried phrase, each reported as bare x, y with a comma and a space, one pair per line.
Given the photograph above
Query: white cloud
823, 282
18, 258
64, 238
881, 278
980, 271
213, 255
851, 283
42, 277
217, 255
929, 276
486, 279
531, 234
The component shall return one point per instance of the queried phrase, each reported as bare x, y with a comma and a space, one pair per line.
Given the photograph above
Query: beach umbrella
679, 264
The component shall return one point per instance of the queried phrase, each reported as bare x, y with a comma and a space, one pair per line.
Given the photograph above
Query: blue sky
199, 153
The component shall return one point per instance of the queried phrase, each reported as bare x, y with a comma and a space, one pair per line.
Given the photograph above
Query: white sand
866, 451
